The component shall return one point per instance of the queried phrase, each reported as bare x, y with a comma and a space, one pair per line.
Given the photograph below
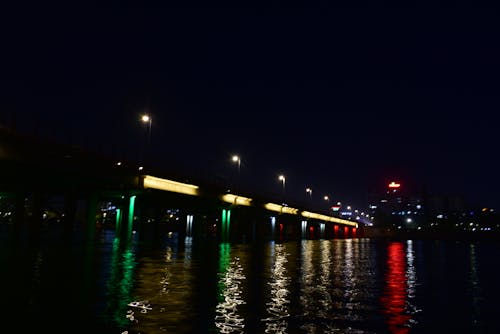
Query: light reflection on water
395, 301
308, 286
278, 304
229, 318
162, 291
335, 280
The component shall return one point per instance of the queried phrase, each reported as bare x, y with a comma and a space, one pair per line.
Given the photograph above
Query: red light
394, 185
395, 293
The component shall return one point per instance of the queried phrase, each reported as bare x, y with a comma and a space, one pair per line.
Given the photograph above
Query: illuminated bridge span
253, 217
43, 184
152, 182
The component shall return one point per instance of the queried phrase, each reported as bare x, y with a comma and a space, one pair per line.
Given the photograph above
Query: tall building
394, 207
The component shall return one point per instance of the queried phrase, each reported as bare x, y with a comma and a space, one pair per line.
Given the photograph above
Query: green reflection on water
120, 282
224, 260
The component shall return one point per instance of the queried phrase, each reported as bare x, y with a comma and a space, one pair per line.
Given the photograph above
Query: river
160, 282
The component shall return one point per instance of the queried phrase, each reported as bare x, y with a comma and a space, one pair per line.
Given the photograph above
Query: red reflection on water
354, 232
346, 231
394, 299
335, 230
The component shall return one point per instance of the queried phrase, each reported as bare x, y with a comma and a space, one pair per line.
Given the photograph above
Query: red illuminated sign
394, 185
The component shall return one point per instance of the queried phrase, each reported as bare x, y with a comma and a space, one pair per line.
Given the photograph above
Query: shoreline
378, 233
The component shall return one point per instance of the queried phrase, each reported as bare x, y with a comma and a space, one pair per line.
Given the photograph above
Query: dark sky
341, 99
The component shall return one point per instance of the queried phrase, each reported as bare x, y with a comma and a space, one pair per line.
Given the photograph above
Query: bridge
45, 182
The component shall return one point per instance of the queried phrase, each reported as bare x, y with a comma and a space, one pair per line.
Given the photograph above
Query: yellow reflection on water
162, 291
231, 278
278, 304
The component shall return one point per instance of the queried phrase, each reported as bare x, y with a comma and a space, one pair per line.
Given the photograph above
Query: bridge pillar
126, 217
335, 231
225, 225
345, 232
322, 233
303, 229
189, 225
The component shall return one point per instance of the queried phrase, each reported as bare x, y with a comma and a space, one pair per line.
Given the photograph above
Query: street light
147, 119
282, 179
237, 159
310, 191
326, 198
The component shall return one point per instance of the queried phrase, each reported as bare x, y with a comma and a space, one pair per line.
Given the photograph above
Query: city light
394, 185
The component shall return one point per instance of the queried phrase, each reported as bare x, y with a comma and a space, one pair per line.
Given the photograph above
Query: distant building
397, 208
394, 207
444, 205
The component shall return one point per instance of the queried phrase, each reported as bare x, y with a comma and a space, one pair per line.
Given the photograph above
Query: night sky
340, 99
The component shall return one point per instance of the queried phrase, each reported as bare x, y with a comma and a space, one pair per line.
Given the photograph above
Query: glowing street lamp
147, 119
310, 192
326, 198
282, 179
237, 159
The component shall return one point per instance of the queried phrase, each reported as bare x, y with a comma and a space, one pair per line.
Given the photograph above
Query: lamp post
282, 179
237, 159
310, 192
147, 119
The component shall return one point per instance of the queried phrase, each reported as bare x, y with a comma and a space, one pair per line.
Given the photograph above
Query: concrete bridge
43, 183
